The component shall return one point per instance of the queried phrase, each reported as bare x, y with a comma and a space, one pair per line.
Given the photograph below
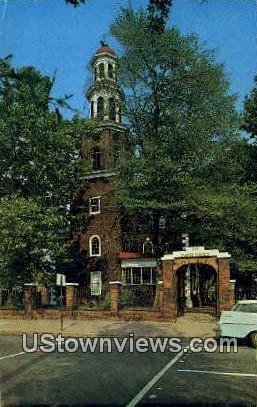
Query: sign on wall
96, 282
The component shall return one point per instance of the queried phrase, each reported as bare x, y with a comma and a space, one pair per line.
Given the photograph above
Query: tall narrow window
92, 109
147, 246
119, 114
112, 109
110, 71
101, 71
100, 108
95, 73
95, 246
96, 159
96, 283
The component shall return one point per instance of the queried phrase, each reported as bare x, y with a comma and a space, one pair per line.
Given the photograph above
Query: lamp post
61, 281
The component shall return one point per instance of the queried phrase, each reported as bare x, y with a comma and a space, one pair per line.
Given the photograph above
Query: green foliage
40, 168
128, 298
75, 3
106, 301
158, 13
39, 150
189, 161
181, 115
250, 113
29, 241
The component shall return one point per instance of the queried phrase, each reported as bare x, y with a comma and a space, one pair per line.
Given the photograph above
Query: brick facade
106, 225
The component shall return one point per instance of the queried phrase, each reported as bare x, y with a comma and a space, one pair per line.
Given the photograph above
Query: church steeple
104, 94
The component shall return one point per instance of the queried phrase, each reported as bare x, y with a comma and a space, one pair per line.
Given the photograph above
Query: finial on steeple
103, 44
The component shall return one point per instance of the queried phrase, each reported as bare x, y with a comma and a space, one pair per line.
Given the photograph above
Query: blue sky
54, 37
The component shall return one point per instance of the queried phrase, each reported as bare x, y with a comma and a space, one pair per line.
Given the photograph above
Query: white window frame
96, 280
90, 246
148, 242
129, 270
90, 205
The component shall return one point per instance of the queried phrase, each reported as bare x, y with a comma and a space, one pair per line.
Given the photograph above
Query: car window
246, 307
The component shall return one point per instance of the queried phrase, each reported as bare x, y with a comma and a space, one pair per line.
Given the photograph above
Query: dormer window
101, 71
94, 205
110, 71
95, 246
96, 159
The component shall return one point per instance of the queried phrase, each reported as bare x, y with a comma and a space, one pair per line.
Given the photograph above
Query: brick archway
197, 288
215, 259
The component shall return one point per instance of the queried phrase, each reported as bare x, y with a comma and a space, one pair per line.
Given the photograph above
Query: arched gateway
196, 279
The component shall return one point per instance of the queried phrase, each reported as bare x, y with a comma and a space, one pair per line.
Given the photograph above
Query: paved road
84, 379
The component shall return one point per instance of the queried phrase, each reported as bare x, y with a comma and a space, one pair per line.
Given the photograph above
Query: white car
240, 322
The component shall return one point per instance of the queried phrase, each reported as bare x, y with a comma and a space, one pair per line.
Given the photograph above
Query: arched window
101, 71
100, 108
112, 109
94, 246
96, 159
147, 246
95, 73
92, 109
110, 71
119, 114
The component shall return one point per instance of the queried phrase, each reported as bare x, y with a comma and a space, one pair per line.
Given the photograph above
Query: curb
107, 335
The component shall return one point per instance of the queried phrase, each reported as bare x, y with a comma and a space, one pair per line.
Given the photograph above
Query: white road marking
154, 380
12, 356
218, 373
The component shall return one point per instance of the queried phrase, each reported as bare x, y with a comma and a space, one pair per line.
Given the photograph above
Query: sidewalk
193, 325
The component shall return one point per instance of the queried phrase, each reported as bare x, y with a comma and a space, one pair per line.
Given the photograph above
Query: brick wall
107, 226
133, 315
12, 314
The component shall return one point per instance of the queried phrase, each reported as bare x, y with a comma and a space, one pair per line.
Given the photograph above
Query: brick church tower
128, 246
101, 241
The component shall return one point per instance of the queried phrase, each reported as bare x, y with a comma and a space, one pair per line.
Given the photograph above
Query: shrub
128, 298
106, 301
